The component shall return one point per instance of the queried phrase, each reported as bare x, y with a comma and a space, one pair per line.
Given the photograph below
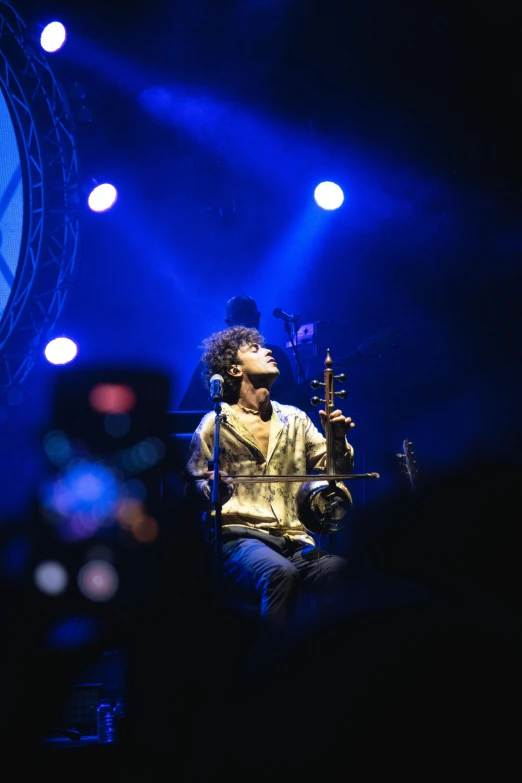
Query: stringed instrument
408, 463
324, 505
323, 501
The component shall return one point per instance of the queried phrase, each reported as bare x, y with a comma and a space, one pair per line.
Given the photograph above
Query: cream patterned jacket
295, 447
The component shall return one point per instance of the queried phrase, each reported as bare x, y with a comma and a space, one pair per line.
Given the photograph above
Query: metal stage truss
44, 129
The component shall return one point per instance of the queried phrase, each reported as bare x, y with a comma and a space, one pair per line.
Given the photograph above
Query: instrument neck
329, 408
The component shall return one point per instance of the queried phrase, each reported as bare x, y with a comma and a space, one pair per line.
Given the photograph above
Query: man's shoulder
288, 410
206, 420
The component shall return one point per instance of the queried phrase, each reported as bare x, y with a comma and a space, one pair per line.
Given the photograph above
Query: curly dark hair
220, 352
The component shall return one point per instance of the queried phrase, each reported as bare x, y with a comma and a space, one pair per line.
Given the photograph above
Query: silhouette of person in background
241, 310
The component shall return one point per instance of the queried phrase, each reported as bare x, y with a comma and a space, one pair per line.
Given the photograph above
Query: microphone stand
216, 491
300, 369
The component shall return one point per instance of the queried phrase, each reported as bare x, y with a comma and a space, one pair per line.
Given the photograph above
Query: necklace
248, 410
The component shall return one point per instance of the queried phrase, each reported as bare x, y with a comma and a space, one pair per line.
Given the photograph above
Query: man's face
257, 362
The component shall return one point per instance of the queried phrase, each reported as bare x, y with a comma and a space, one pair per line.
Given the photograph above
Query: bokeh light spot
57, 447
129, 512
132, 516
50, 577
146, 530
112, 398
117, 424
98, 580
82, 498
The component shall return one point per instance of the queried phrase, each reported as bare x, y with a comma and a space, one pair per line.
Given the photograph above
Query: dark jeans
276, 570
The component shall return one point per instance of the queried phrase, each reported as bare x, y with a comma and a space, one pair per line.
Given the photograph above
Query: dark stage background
216, 121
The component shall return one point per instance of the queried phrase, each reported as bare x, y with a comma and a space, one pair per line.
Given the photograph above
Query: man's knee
282, 573
336, 570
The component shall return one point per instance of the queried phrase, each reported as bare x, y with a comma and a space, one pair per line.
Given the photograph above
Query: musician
266, 550
241, 310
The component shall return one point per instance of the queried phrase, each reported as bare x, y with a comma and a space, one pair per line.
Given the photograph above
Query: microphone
278, 313
216, 388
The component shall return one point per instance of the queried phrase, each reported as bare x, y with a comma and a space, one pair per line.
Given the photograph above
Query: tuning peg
341, 377
316, 400
342, 394
315, 384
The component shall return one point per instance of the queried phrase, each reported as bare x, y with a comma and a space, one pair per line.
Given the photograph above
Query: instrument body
324, 505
